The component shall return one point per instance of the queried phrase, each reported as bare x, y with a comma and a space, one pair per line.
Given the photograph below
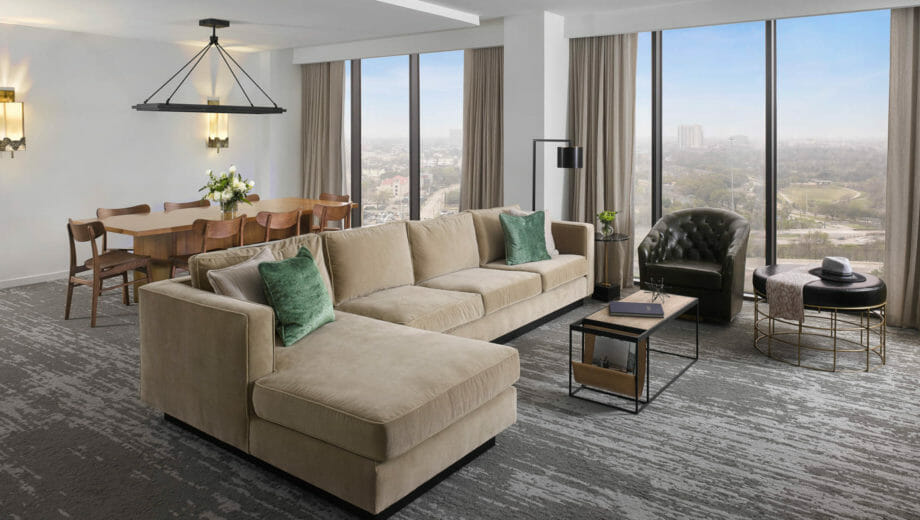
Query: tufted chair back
700, 234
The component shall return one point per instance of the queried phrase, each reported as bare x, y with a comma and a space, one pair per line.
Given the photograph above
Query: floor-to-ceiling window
384, 139
441, 136
832, 102
346, 129
642, 161
713, 81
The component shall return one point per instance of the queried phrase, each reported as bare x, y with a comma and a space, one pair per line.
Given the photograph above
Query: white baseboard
29, 280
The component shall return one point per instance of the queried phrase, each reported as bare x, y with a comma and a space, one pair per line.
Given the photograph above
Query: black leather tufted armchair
699, 252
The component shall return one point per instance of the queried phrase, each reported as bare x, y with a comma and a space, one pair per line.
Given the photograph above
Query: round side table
845, 318
605, 290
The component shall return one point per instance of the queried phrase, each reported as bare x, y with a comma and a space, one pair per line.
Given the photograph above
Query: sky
385, 95
832, 78
832, 82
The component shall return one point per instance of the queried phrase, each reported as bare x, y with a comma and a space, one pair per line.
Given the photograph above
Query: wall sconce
12, 130
218, 128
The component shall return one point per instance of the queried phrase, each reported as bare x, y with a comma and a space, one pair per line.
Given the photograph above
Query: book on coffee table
636, 309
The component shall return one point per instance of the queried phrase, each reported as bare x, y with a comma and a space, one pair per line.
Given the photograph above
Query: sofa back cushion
199, 265
366, 260
442, 245
489, 233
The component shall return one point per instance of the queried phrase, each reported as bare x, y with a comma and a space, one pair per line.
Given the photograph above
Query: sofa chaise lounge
402, 385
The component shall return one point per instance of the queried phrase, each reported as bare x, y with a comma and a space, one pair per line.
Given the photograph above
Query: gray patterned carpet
738, 436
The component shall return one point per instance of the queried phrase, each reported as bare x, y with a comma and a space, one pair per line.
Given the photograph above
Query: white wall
489, 34
86, 147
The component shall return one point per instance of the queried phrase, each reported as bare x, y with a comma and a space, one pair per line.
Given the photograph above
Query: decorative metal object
656, 286
168, 106
12, 122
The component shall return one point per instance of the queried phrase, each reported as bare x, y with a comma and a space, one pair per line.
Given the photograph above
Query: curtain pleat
601, 118
481, 183
322, 124
902, 228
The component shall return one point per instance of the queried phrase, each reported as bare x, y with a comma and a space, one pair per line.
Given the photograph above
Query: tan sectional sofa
399, 387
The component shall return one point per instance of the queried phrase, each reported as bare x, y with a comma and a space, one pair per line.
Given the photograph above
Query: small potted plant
229, 189
606, 219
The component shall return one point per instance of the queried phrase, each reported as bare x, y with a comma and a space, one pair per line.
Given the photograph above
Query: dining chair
169, 206
253, 197
327, 213
279, 221
104, 264
102, 213
210, 230
333, 197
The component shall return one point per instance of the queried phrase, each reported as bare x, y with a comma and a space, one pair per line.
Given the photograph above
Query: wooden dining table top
163, 222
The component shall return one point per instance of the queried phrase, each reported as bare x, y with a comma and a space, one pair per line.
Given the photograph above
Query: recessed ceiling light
437, 10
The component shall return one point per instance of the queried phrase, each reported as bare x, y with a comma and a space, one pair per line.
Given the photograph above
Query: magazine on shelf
636, 309
614, 354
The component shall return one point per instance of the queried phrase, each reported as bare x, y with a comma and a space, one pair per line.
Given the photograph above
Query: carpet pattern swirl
738, 436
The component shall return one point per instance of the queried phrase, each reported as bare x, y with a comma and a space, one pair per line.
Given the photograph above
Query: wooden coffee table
623, 384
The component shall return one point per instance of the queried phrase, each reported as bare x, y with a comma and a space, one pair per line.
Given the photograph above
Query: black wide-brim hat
834, 277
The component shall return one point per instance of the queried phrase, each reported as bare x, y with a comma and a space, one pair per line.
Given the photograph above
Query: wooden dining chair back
104, 264
169, 206
333, 197
102, 213
327, 213
253, 197
210, 230
288, 220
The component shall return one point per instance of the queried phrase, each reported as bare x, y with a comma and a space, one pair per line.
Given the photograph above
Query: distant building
739, 140
398, 185
689, 136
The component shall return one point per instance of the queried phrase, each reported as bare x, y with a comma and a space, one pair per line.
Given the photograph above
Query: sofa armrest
576, 238
200, 354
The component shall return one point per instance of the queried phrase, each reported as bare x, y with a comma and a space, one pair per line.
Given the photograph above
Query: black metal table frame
636, 336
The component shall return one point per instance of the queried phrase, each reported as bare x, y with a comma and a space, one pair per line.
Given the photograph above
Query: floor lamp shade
569, 157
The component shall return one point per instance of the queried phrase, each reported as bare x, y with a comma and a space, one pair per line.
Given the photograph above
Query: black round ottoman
841, 318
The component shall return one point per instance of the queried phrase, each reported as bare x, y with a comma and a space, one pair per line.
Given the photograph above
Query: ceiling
275, 24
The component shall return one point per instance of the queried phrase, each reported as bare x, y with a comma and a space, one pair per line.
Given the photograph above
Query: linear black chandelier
214, 24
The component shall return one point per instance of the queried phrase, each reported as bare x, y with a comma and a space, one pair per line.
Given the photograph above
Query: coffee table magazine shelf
586, 377
840, 319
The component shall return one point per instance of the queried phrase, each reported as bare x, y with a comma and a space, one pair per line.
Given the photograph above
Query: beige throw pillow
242, 281
547, 225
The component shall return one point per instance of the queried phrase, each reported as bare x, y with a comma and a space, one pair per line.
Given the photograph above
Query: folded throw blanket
785, 293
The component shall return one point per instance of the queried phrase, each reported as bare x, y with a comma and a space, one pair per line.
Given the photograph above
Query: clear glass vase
228, 210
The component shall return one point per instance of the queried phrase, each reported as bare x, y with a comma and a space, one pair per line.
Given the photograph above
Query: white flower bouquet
229, 189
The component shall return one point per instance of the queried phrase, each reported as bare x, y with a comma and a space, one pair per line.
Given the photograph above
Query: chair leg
124, 290
97, 289
69, 299
172, 271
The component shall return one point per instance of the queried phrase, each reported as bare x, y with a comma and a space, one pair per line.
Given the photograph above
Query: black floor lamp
566, 157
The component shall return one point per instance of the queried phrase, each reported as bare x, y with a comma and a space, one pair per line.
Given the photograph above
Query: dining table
164, 234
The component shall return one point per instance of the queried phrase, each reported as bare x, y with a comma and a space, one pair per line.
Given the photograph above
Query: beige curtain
481, 179
322, 118
902, 250
601, 118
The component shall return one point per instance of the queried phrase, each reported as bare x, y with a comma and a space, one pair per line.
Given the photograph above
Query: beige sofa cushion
498, 288
442, 245
489, 233
419, 307
378, 389
554, 272
199, 265
365, 260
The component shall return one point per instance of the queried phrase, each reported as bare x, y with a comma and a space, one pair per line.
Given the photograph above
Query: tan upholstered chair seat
498, 288
418, 307
379, 389
554, 272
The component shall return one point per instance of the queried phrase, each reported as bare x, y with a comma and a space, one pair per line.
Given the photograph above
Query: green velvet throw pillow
525, 238
295, 289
